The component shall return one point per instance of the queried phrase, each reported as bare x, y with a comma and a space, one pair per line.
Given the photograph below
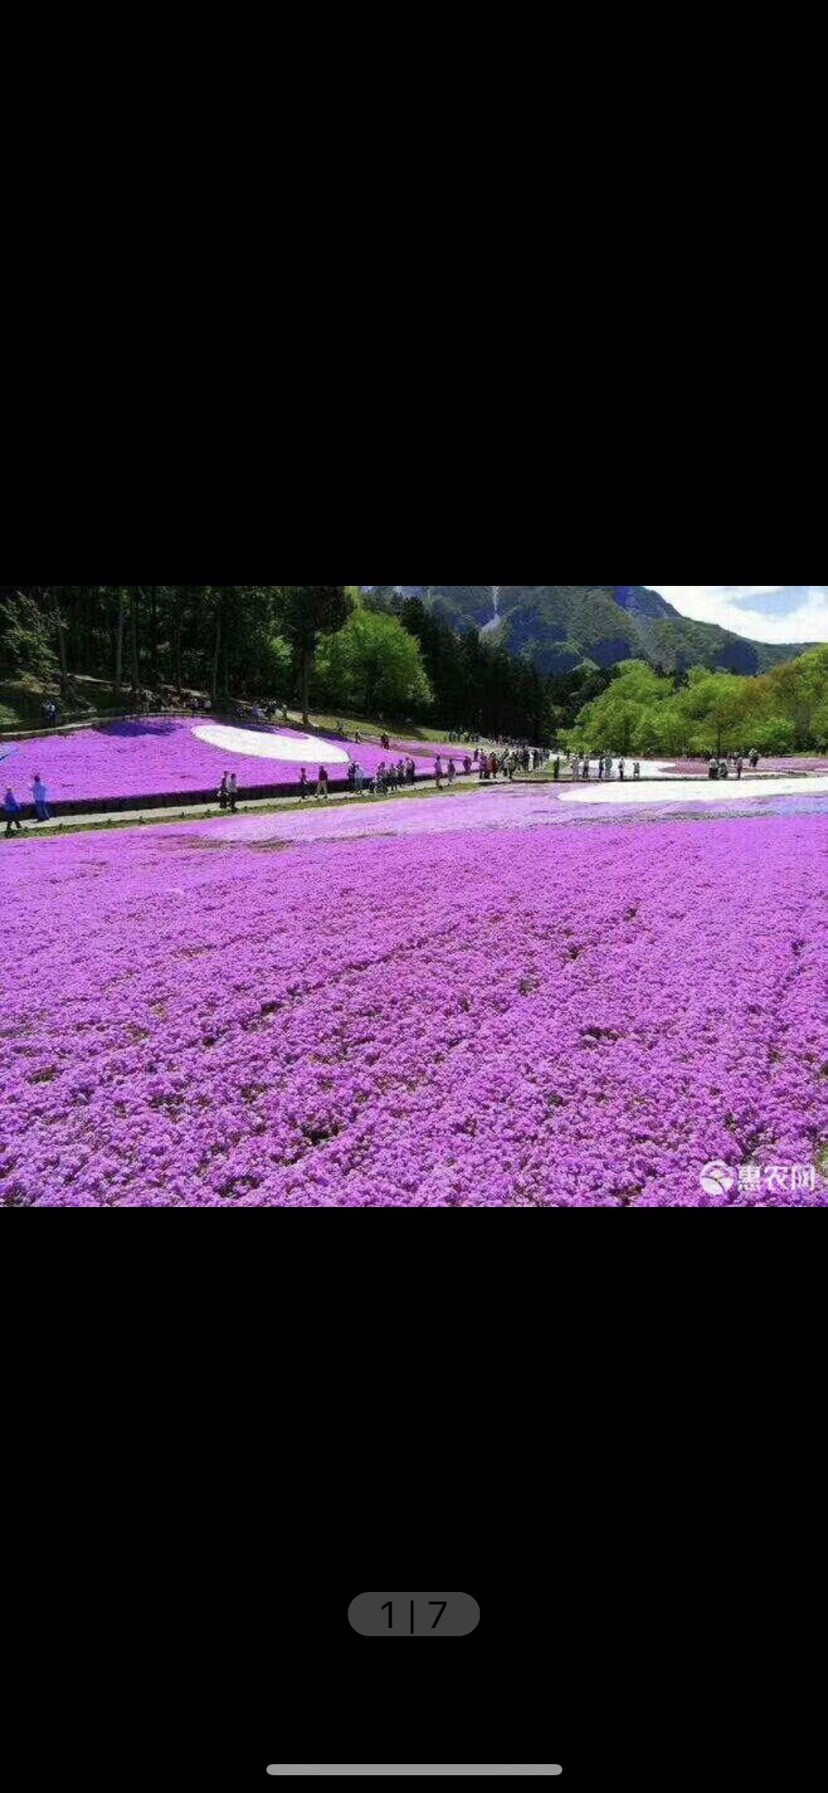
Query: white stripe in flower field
299, 750
696, 790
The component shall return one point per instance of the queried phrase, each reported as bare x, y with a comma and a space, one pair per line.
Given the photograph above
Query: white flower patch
299, 750
695, 790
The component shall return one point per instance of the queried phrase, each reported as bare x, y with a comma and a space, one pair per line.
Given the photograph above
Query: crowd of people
722, 769
462, 736
389, 777
269, 710
506, 763
579, 766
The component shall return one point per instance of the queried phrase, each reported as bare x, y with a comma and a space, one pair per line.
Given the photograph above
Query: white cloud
806, 619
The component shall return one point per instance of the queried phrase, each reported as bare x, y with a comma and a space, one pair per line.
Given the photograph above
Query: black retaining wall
263, 793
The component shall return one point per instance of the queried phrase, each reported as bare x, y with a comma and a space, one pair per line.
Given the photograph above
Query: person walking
723, 769
637, 769
713, 769
600, 769
224, 791
359, 780
352, 778
621, 770
233, 792
12, 809
452, 772
739, 764
39, 794
754, 759
303, 784
556, 767
322, 789
438, 772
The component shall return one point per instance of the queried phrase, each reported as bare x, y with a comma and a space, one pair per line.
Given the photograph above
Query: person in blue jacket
12, 809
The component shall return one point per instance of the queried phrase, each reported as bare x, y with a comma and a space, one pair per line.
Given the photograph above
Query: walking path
189, 812
673, 788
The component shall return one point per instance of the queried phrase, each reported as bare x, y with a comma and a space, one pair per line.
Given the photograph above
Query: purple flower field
157, 757
472, 1013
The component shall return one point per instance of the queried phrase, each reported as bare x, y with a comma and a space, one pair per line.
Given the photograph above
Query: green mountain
560, 627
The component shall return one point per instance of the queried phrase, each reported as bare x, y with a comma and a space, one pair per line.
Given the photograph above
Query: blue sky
763, 612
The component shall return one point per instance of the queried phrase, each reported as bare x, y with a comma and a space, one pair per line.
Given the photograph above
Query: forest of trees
649, 712
307, 645
380, 656
225, 639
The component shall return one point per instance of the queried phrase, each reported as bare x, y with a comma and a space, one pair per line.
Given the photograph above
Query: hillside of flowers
158, 758
469, 1013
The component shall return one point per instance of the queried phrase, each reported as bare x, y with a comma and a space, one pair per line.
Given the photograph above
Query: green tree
307, 612
797, 689
27, 635
278, 665
374, 664
624, 719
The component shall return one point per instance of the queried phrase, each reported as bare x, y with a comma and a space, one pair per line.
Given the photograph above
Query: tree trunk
136, 679
214, 692
178, 643
154, 632
304, 676
119, 645
61, 635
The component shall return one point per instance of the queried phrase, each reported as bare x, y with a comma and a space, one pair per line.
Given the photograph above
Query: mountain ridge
561, 627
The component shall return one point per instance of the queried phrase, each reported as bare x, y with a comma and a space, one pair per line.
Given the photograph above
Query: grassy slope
21, 701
